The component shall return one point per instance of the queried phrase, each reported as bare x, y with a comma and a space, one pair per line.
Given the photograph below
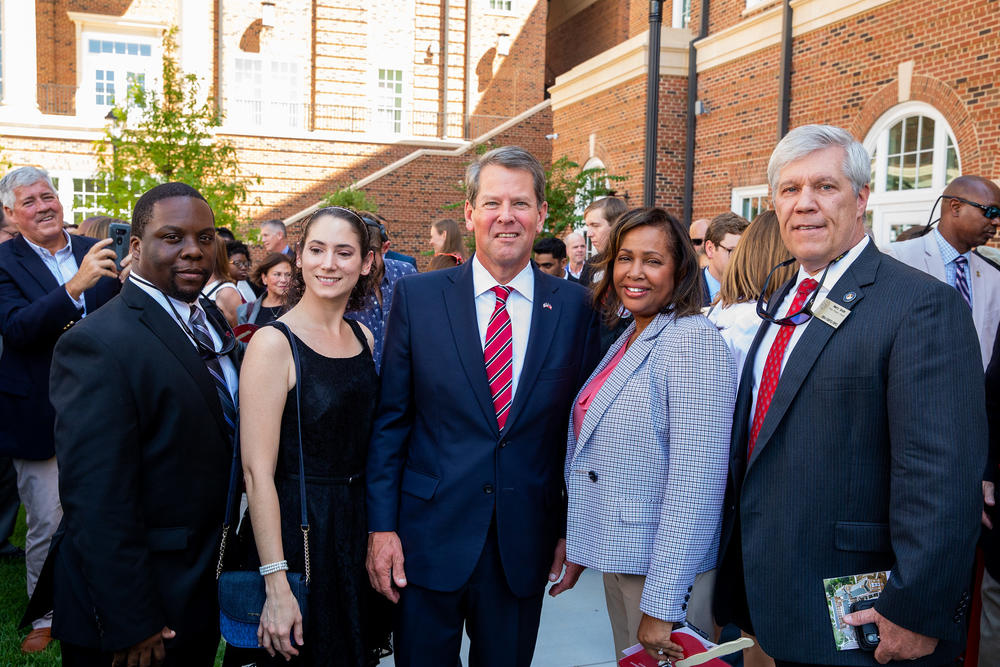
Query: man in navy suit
465, 466
48, 281
859, 434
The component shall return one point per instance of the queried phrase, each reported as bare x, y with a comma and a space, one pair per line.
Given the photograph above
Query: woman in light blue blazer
648, 443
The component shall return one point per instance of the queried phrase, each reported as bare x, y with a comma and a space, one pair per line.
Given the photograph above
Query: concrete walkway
575, 631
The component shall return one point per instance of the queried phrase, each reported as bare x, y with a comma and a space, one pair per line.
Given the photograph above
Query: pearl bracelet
271, 568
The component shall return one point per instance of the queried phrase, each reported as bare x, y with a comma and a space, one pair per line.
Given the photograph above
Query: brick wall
586, 34
847, 74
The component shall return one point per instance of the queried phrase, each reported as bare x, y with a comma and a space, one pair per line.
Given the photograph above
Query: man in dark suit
465, 466
859, 434
144, 396
48, 281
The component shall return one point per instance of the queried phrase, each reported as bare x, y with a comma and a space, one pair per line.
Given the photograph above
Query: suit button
487, 489
592, 475
687, 596
503, 443
690, 588
957, 618
684, 606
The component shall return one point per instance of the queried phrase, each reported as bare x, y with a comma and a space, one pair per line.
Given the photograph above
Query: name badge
830, 312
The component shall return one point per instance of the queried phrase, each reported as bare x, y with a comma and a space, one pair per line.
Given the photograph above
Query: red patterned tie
772, 367
499, 355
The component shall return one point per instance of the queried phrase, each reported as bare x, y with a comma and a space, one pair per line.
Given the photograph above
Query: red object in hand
244, 332
688, 640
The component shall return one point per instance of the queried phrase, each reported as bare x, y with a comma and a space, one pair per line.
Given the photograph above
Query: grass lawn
13, 600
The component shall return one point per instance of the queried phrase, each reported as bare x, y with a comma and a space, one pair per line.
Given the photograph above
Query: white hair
18, 178
807, 139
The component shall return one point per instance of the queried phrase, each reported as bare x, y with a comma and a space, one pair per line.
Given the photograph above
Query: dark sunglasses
697, 242
991, 212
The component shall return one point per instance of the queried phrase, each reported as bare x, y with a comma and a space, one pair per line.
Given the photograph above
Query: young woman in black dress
339, 388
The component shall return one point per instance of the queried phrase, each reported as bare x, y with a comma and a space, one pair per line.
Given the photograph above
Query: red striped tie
499, 356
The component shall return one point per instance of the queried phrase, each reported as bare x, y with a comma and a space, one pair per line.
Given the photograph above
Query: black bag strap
235, 466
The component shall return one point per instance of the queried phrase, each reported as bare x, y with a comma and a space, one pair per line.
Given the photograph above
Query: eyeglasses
240, 264
991, 212
802, 315
697, 242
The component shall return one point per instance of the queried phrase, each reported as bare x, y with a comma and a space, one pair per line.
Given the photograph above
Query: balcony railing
56, 98
292, 116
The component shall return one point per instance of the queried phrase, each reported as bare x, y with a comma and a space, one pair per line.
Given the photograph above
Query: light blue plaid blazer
647, 477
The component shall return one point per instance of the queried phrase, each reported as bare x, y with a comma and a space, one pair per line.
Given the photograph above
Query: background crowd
717, 418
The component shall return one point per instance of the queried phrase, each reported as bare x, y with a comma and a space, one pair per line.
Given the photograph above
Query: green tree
348, 197
569, 190
169, 136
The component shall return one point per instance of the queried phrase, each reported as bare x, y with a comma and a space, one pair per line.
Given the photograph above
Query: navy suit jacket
869, 459
35, 310
438, 467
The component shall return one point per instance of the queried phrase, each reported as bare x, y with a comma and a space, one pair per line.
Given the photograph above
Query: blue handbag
241, 592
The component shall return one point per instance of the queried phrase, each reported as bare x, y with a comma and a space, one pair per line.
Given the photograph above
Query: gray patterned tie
961, 282
199, 328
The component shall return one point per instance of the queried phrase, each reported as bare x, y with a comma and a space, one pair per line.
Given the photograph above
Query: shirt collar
523, 283
947, 250
68, 248
838, 269
180, 308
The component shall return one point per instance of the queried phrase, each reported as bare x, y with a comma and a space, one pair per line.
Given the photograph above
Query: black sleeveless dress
347, 624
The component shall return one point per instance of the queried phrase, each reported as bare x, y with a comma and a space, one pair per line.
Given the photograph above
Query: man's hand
988, 501
385, 564
147, 653
573, 571
654, 635
895, 642
97, 263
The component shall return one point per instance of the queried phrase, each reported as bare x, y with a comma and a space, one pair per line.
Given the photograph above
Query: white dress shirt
835, 274
174, 307
518, 308
62, 265
738, 325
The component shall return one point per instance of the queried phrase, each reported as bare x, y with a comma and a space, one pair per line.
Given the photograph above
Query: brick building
317, 94
915, 80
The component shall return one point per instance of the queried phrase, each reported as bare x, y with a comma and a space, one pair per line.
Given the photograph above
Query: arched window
914, 156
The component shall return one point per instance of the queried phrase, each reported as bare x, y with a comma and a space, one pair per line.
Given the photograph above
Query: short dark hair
271, 261
142, 213
225, 233
550, 245
686, 298
237, 248
725, 223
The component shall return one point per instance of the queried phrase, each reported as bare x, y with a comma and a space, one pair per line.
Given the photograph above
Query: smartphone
120, 233
867, 634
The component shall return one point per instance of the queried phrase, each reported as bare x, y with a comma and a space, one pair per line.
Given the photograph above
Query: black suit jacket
35, 310
143, 471
869, 458
439, 470
991, 538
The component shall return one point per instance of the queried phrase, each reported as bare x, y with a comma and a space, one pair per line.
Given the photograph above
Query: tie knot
961, 261
195, 315
502, 292
807, 286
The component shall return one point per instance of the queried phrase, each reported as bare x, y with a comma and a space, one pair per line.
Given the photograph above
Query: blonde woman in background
734, 311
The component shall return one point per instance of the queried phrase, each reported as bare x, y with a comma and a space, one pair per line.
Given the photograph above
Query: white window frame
67, 193
379, 126
268, 107
497, 7
122, 65
911, 205
679, 19
748, 193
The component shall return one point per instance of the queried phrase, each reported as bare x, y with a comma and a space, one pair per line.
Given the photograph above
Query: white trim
762, 30
756, 5
117, 24
621, 63
746, 192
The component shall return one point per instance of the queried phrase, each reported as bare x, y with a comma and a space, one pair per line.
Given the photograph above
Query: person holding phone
49, 281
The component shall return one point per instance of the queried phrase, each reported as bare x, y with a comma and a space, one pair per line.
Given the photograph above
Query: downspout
652, 101
218, 56
468, 69
785, 95
692, 108
443, 105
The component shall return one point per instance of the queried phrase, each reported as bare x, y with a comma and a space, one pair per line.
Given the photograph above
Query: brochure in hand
697, 650
842, 593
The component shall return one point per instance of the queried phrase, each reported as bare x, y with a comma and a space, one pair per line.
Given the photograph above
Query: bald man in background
697, 232
576, 251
